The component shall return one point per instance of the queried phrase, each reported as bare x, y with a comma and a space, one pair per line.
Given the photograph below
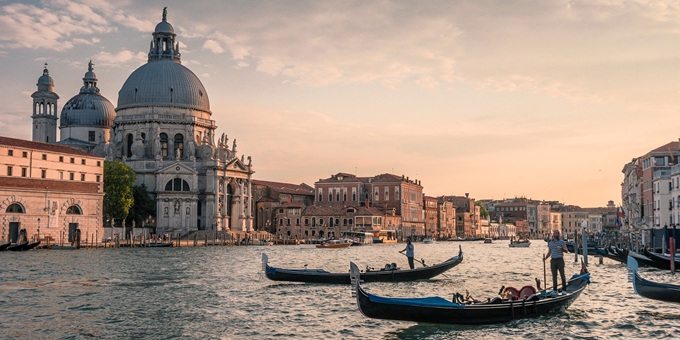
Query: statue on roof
165, 13
89, 66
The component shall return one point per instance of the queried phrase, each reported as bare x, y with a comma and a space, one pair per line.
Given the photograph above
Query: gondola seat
526, 292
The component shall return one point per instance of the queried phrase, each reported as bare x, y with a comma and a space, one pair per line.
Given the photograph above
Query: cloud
56, 28
123, 57
213, 46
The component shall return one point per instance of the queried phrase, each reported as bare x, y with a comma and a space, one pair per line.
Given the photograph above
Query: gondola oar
545, 278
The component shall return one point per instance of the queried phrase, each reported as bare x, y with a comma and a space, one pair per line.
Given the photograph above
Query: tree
482, 210
119, 180
143, 207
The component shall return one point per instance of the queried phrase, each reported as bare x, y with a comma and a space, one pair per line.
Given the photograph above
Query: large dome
163, 83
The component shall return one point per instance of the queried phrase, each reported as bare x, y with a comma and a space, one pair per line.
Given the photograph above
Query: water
221, 293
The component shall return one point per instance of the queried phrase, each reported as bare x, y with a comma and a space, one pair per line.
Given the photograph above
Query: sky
540, 99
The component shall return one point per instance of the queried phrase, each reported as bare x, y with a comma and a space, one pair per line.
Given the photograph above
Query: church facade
162, 128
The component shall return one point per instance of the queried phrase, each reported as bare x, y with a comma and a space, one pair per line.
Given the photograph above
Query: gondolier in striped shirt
556, 249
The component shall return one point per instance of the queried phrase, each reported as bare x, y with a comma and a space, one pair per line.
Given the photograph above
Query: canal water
221, 293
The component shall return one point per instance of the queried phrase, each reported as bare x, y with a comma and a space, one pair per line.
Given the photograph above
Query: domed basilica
162, 129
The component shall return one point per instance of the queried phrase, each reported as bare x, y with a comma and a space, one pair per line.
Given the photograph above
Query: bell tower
45, 110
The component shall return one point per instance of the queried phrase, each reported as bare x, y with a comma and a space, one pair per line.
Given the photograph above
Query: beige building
51, 191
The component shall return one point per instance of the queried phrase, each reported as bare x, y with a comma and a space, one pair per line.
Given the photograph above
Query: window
61, 158
130, 139
24, 171
43, 173
9, 171
15, 208
61, 175
98, 178
179, 145
177, 184
44, 157
90, 136
10, 152
164, 145
71, 175
82, 161
73, 160
74, 210
82, 177
24, 154
99, 163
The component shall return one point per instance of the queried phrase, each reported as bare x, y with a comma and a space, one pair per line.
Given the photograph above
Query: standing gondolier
556, 249
409, 252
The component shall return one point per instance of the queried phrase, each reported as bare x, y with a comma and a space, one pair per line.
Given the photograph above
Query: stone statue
190, 149
165, 13
250, 161
233, 148
157, 144
178, 154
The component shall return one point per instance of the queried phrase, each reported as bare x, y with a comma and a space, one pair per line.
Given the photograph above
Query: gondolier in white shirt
409, 252
556, 249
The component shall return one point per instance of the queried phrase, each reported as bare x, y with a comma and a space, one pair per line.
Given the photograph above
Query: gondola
440, 310
619, 255
159, 244
4, 246
650, 289
661, 261
23, 246
391, 274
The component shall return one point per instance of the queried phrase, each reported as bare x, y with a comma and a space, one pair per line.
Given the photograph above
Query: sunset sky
541, 99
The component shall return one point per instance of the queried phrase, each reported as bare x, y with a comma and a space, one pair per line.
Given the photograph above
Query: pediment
177, 168
236, 165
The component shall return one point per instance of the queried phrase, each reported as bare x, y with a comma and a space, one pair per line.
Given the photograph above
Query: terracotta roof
51, 185
288, 188
345, 178
21, 143
667, 148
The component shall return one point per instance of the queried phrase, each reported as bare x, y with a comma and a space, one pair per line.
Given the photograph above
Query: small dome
45, 79
87, 109
164, 27
45, 82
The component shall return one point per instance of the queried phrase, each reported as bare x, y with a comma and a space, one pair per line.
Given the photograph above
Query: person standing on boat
409, 252
556, 249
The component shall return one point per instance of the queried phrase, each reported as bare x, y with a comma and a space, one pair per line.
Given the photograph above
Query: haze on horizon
545, 99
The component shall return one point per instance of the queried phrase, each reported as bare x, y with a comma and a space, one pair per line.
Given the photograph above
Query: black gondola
159, 244
619, 255
650, 289
440, 310
661, 261
383, 275
4, 246
23, 246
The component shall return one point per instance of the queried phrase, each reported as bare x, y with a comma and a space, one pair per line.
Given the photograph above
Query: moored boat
159, 244
4, 246
428, 240
662, 261
439, 310
488, 240
519, 243
391, 274
650, 289
335, 244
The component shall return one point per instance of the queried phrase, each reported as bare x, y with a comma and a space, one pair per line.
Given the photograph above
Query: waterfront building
271, 196
431, 211
52, 191
663, 203
467, 215
446, 219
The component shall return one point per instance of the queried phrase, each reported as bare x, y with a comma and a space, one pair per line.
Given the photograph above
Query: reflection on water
220, 292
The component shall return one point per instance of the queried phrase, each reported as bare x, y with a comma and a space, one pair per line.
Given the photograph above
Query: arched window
177, 184
130, 140
74, 210
164, 145
179, 144
15, 208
